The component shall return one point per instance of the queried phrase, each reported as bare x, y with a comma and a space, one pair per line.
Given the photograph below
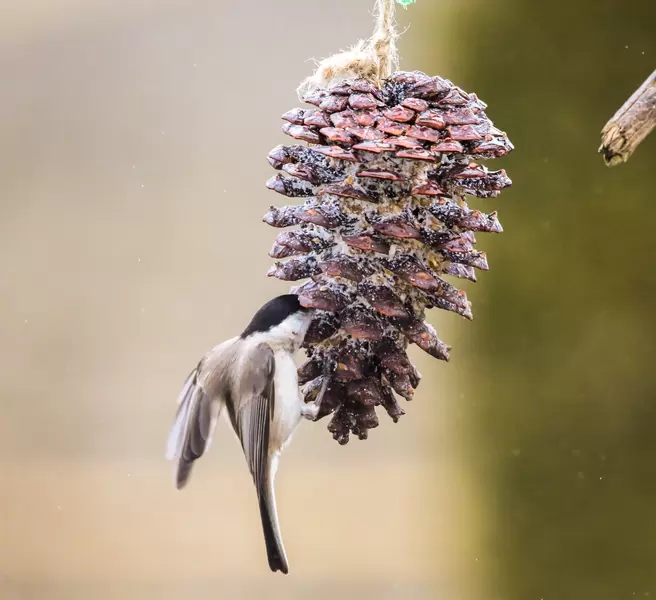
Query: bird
253, 376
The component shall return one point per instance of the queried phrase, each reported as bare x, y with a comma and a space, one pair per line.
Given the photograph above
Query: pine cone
384, 177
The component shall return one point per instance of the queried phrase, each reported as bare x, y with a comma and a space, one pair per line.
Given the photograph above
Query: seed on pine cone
384, 176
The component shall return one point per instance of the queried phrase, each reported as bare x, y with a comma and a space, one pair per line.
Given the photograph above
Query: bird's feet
311, 410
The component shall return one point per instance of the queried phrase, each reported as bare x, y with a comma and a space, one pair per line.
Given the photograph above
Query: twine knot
374, 59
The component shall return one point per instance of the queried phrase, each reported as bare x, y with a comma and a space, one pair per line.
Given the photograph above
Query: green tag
405, 3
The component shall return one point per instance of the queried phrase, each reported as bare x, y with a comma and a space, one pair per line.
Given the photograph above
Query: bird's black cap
273, 313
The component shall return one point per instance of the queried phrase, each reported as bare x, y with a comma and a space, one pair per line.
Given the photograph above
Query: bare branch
630, 124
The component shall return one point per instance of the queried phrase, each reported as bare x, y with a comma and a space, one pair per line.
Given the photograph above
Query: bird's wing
195, 420
252, 416
254, 409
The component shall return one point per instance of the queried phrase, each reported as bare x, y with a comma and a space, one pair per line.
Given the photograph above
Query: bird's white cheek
290, 332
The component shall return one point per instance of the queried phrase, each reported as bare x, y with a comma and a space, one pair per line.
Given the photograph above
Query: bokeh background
133, 137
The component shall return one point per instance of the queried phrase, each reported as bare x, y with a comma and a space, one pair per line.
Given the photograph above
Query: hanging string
374, 59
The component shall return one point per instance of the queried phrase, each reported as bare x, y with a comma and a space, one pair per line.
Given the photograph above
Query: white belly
287, 411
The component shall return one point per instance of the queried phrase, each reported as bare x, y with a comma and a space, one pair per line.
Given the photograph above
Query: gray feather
254, 408
253, 416
195, 420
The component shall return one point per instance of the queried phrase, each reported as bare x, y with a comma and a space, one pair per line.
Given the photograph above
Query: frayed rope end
373, 60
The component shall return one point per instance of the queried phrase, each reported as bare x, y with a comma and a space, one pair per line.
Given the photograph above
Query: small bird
254, 377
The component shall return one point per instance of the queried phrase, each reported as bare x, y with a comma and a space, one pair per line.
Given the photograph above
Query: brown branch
630, 124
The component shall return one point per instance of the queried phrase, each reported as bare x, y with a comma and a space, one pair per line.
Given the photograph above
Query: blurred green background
132, 162
560, 407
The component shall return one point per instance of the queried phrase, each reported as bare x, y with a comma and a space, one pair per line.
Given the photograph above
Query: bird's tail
270, 526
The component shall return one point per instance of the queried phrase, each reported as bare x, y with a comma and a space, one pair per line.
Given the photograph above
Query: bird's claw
311, 410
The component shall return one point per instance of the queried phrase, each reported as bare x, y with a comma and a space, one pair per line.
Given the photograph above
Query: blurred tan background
132, 163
